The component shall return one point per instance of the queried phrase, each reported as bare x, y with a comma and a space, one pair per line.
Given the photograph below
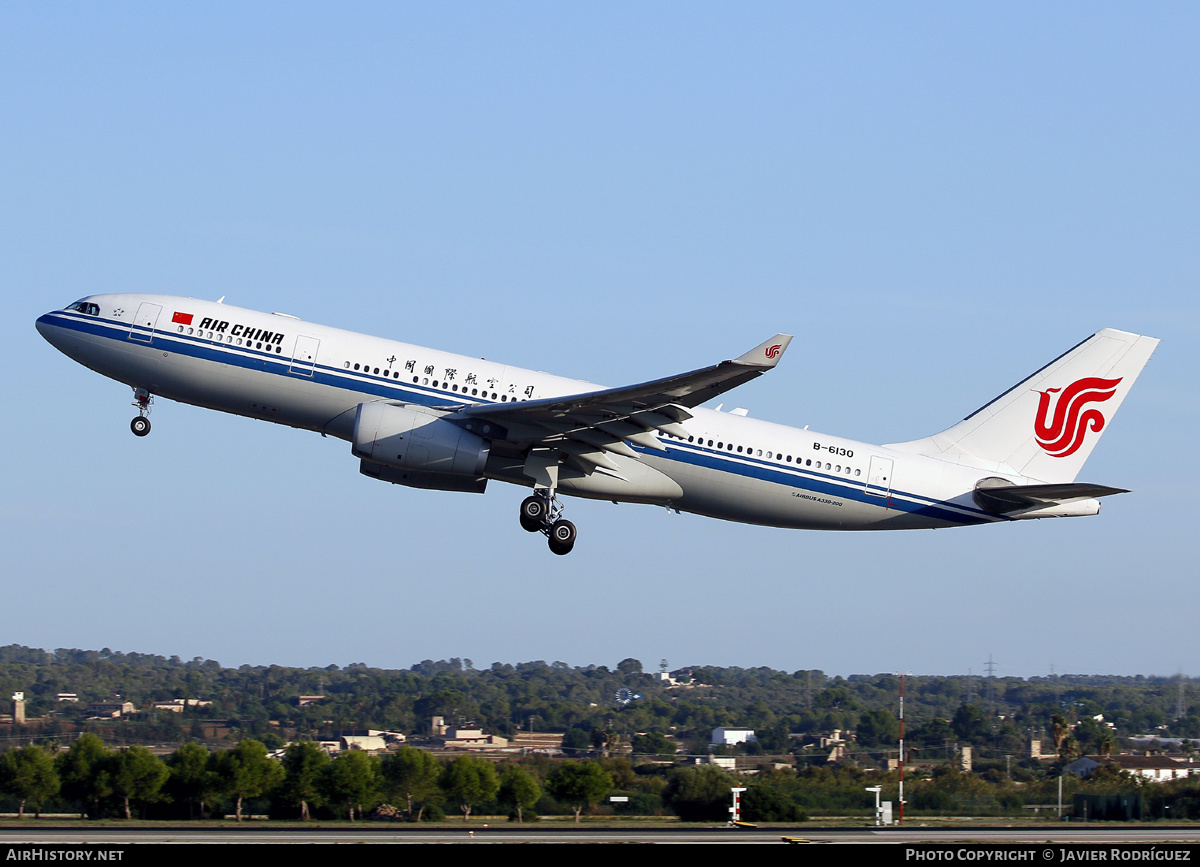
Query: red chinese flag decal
182, 318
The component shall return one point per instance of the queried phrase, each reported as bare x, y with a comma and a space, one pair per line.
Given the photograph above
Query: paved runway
1041, 834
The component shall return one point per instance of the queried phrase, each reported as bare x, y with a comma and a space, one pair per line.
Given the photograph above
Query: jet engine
407, 438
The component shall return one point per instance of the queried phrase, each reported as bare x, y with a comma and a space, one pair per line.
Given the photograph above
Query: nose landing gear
542, 513
142, 400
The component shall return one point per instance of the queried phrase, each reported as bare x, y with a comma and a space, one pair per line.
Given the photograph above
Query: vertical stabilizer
1046, 426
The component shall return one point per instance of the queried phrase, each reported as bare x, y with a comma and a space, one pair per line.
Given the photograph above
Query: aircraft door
879, 476
143, 325
304, 359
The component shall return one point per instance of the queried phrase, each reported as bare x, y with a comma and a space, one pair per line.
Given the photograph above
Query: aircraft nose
47, 328
43, 325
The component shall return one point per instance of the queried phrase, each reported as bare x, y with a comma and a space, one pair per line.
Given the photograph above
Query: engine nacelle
427, 481
409, 439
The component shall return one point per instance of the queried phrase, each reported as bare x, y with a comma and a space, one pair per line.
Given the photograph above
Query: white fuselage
281, 369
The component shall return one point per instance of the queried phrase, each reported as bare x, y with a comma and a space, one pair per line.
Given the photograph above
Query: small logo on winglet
773, 351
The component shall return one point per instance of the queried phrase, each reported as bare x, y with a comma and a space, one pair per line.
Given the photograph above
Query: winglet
767, 353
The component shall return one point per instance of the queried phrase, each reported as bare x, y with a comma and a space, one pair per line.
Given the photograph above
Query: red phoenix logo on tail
1063, 435
773, 350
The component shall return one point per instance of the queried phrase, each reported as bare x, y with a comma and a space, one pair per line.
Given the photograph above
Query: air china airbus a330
429, 419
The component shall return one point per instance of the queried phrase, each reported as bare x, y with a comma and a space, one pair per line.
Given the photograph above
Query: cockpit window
86, 307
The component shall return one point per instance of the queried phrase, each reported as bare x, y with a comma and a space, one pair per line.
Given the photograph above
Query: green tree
302, 765
470, 782
29, 775
766, 803
519, 790
137, 775
191, 779
630, 666
699, 794
579, 784
653, 744
934, 733
969, 723
576, 741
84, 778
246, 771
412, 774
351, 779
878, 728
1060, 730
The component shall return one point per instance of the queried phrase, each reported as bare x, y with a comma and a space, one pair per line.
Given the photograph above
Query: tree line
98, 781
305, 782
995, 715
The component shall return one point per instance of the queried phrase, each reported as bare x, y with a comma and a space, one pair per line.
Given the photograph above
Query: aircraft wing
587, 426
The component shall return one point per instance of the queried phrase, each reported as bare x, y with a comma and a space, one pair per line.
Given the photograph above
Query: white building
729, 736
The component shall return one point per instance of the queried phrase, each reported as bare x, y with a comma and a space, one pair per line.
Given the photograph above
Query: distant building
539, 743
111, 709
836, 738
1156, 769
727, 763
177, 705
730, 736
465, 737
367, 740
366, 743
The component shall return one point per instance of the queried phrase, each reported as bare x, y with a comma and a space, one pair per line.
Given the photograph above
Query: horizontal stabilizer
1001, 497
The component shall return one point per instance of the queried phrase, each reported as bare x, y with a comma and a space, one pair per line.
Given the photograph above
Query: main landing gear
541, 513
142, 400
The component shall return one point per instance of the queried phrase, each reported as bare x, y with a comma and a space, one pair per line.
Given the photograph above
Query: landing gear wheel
562, 537
140, 426
533, 513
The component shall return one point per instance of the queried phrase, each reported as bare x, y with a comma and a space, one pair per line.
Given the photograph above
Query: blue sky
936, 199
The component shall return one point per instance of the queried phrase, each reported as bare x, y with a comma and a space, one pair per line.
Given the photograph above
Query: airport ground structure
125, 735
